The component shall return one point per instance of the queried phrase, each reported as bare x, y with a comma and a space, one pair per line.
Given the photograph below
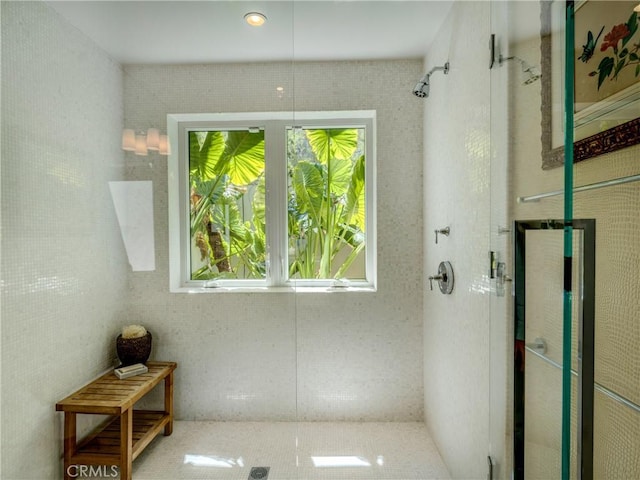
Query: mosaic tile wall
457, 194
63, 264
284, 356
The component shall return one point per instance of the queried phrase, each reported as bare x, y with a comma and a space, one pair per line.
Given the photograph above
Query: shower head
530, 73
421, 90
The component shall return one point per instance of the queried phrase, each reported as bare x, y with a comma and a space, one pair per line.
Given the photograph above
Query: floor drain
259, 473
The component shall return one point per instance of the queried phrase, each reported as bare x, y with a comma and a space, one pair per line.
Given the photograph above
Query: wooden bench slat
117, 394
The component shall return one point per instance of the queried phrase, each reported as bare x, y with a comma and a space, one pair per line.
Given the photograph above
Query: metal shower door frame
586, 334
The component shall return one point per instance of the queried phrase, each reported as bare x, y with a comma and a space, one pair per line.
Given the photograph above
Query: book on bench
130, 370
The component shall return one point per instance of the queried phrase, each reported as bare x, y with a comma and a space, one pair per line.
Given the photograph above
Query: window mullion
276, 201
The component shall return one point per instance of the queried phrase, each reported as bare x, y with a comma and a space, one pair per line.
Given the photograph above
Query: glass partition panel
355, 246
354, 368
532, 53
222, 87
381, 377
521, 104
607, 189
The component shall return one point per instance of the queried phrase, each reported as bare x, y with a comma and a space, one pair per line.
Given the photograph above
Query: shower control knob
444, 278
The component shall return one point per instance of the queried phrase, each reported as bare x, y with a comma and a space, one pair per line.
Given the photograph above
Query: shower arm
444, 68
525, 66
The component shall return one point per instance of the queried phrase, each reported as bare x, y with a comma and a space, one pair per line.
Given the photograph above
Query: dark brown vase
133, 350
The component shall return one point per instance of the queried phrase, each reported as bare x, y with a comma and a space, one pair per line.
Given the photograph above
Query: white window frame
275, 125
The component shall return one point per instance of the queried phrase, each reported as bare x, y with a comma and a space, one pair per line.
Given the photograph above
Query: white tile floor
228, 450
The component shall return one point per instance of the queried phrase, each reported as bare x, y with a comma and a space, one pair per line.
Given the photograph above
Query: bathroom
399, 357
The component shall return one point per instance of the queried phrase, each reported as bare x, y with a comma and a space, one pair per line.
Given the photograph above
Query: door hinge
490, 468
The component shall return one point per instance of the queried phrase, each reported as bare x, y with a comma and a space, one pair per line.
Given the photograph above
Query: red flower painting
625, 52
611, 39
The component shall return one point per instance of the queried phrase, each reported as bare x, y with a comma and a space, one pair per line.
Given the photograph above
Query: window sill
305, 289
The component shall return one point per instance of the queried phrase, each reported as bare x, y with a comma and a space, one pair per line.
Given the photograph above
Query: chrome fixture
530, 73
421, 89
497, 271
538, 346
444, 278
443, 231
259, 473
583, 188
501, 279
493, 264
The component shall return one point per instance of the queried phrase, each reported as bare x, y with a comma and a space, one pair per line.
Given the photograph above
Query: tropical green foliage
326, 203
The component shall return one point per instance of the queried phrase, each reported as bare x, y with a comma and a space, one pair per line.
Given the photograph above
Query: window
268, 200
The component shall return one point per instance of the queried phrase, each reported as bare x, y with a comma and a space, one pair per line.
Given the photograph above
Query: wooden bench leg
168, 403
126, 439
69, 444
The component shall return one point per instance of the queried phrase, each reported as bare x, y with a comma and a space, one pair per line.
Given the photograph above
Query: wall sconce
141, 142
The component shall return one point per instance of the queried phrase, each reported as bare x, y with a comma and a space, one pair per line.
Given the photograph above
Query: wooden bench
121, 439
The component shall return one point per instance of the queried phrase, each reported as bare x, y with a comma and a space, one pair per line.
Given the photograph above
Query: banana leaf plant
326, 203
223, 167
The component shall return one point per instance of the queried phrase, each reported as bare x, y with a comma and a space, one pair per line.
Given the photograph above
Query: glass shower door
551, 262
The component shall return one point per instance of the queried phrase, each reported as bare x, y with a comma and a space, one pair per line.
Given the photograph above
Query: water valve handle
442, 231
432, 278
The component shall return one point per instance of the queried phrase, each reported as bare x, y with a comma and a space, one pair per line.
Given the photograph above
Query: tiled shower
68, 288
282, 375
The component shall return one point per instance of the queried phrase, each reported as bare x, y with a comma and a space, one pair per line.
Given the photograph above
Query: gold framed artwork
607, 78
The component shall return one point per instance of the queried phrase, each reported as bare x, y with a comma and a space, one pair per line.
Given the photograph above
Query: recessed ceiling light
255, 19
